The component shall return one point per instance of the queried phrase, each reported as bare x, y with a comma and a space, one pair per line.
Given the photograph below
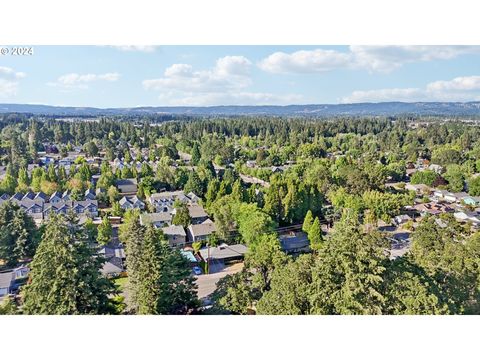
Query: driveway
207, 284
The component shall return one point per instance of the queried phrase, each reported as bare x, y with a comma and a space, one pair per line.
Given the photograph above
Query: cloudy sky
127, 76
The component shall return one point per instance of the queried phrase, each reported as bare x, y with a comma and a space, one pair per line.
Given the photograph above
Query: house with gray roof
131, 202
6, 283
176, 235
56, 197
224, 252
17, 196
90, 194
29, 196
9, 280
197, 213
200, 232
41, 195
164, 201
158, 220
127, 186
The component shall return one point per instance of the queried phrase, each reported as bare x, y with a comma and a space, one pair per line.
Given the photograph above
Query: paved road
207, 283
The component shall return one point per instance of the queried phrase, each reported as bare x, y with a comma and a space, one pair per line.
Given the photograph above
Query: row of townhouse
56, 197
164, 201
39, 209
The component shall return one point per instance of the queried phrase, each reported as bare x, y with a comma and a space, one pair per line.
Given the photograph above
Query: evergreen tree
212, 191
105, 231
149, 287
307, 222
195, 154
18, 234
238, 193
132, 235
348, 273
315, 236
182, 215
65, 273
194, 184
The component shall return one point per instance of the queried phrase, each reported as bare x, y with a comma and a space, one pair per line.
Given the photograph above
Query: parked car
197, 270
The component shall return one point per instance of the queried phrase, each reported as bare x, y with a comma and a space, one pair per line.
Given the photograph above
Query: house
29, 196
440, 194
224, 253
17, 197
158, 220
34, 208
41, 195
90, 207
455, 197
131, 202
294, 242
65, 162
418, 188
6, 283
164, 201
197, 213
90, 194
56, 197
66, 196
200, 232
471, 200
127, 186
251, 163
11, 280
4, 197
176, 235
47, 160
114, 261
432, 208
467, 216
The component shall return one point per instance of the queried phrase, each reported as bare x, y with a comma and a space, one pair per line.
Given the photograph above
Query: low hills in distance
317, 110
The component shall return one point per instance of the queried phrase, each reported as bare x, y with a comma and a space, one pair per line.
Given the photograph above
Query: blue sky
128, 76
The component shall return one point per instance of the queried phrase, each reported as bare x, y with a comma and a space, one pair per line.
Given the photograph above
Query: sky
129, 76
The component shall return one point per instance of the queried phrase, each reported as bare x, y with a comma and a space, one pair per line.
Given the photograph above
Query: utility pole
208, 258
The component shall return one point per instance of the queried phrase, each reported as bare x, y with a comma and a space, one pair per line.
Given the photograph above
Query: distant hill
384, 108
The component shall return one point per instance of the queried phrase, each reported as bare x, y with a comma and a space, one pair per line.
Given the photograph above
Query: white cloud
464, 83
141, 48
226, 83
81, 81
305, 61
388, 58
371, 58
379, 95
9, 81
227, 98
465, 88
229, 72
6, 72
